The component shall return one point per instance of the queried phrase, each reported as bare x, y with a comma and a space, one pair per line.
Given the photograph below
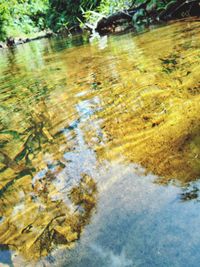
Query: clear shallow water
99, 159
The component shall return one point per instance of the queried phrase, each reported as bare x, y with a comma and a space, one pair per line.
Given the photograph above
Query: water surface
100, 150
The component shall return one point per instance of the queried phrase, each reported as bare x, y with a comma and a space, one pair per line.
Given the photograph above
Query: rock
10, 42
2, 45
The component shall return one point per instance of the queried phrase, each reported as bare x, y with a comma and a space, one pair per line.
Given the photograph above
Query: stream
100, 150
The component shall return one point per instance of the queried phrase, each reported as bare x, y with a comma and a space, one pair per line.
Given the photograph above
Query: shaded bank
27, 20
68, 18
149, 12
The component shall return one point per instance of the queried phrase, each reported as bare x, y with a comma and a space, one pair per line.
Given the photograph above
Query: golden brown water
65, 111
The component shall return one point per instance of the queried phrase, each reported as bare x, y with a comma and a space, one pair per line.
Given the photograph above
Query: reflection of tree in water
35, 217
12, 67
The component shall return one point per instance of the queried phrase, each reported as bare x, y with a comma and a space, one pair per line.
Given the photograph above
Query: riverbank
145, 14
138, 17
12, 42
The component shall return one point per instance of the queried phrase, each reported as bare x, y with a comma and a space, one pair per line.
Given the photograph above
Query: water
100, 150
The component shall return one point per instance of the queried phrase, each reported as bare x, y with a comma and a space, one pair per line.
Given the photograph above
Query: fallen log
12, 42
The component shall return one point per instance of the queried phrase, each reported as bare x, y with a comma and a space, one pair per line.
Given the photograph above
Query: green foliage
22, 16
110, 6
105, 8
145, 10
68, 13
